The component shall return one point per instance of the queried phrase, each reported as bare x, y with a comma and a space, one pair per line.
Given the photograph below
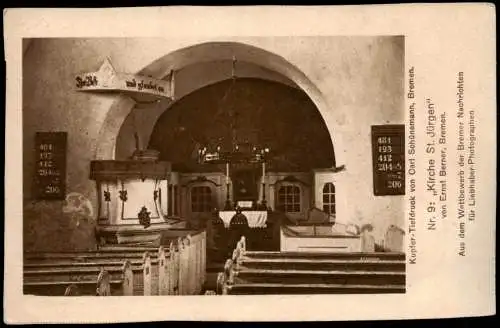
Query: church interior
213, 167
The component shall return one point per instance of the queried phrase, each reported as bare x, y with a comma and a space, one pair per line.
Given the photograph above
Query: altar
256, 219
242, 174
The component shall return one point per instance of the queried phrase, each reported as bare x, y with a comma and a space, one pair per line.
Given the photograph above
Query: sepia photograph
261, 163
170, 167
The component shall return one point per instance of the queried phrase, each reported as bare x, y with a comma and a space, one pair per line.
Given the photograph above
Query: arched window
289, 198
329, 198
201, 199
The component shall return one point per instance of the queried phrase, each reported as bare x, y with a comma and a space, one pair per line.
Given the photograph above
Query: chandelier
239, 152
256, 155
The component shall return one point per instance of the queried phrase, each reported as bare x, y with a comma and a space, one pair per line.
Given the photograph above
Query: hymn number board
50, 171
388, 152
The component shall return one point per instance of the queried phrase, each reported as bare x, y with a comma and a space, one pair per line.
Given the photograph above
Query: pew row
80, 281
176, 270
50, 275
253, 272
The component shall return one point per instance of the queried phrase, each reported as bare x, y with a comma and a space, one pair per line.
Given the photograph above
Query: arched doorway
264, 112
257, 112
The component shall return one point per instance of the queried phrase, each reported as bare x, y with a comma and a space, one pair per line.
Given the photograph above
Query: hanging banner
107, 79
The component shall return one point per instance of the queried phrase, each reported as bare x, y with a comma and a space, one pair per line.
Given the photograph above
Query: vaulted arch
181, 59
255, 111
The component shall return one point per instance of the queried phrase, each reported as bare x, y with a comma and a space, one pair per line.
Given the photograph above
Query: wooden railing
175, 270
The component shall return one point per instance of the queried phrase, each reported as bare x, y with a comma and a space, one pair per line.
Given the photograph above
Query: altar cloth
256, 219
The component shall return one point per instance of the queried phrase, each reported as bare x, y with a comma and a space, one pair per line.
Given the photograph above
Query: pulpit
132, 199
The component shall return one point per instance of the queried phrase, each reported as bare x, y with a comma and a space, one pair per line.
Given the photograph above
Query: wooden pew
80, 281
164, 264
197, 254
176, 270
183, 271
117, 254
187, 266
57, 269
311, 273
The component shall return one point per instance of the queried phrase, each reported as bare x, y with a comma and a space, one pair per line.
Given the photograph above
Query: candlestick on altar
264, 185
227, 172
